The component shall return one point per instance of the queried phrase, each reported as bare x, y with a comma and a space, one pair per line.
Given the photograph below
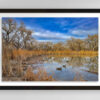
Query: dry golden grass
11, 66
25, 53
29, 76
41, 75
78, 77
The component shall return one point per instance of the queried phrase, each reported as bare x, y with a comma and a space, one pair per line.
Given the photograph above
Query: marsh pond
69, 68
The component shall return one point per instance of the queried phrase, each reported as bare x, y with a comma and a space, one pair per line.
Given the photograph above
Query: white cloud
43, 35
84, 32
54, 41
51, 35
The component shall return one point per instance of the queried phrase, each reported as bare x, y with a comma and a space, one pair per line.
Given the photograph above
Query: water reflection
72, 68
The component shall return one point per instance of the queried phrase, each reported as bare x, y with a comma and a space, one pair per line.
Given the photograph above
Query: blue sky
60, 29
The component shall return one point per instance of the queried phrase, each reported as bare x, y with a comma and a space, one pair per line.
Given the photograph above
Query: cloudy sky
60, 29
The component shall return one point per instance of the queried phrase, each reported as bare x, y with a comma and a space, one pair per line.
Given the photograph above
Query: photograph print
50, 49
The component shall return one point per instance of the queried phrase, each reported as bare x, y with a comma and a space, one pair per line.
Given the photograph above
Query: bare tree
9, 30
17, 35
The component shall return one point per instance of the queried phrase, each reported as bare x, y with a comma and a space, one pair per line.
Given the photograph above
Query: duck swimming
59, 68
64, 66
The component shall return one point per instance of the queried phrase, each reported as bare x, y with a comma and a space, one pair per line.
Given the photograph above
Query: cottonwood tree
9, 28
17, 35
71, 44
92, 42
75, 44
25, 34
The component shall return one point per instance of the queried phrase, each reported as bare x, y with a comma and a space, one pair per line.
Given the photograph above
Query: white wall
54, 94
49, 95
49, 3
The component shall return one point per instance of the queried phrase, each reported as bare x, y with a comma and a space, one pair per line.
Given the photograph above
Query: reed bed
26, 53
41, 75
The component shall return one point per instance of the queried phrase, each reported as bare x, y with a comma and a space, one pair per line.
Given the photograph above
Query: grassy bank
26, 53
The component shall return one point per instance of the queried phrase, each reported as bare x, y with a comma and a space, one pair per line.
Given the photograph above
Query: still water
71, 68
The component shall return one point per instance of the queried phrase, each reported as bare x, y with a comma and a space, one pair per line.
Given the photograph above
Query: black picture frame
49, 11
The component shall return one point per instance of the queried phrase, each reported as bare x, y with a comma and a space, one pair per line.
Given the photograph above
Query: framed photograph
49, 49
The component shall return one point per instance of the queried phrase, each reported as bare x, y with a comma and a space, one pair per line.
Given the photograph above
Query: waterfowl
64, 66
67, 61
59, 68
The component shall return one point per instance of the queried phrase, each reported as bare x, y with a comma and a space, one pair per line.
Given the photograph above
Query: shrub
40, 76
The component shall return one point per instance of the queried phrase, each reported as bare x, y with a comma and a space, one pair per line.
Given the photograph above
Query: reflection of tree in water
90, 62
76, 61
93, 64
56, 59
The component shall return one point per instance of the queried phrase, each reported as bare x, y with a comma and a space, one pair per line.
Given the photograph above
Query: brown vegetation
41, 75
